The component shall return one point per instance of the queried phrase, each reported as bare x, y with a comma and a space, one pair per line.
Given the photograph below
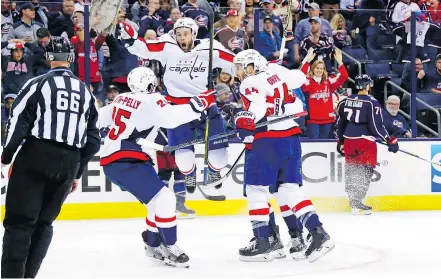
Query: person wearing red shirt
434, 10
318, 90
78, 43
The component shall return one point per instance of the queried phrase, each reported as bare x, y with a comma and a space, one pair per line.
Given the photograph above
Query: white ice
384, 245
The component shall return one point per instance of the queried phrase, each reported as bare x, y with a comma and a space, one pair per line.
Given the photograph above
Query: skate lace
190, 180
214, 176
296, 242
252, 244
175, 250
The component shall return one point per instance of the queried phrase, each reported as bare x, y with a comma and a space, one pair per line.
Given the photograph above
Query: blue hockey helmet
362, 81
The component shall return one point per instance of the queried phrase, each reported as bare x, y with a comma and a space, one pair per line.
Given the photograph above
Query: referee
57, 117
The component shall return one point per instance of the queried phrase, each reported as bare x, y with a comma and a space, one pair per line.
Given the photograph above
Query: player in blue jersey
359, 126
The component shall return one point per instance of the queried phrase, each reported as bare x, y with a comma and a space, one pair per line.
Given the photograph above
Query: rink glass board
400, 182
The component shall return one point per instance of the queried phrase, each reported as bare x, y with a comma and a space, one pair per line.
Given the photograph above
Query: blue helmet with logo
362, 81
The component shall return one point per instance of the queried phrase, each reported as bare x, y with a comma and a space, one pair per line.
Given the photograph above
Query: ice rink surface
384, 245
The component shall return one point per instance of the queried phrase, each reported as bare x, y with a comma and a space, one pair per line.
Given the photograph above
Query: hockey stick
167, 148
220, 181
285, 31
413, 155
206, 6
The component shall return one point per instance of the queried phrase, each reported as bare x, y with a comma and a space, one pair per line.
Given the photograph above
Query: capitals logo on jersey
436, 170
236, 42
189, 66
320, 95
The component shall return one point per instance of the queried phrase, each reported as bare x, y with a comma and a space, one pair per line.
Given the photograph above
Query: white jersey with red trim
186, 73
262, 94
138, 115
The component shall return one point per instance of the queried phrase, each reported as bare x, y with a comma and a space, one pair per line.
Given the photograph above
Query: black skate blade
171, 263
257, 258
326, 247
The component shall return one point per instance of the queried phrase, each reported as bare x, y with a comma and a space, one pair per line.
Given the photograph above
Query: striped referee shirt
55, 106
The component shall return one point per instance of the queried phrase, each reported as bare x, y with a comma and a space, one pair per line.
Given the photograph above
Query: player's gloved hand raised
204, 101
245, 126
126, 33
340, 148
392, 142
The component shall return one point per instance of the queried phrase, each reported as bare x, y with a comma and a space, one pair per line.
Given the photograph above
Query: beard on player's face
184, 38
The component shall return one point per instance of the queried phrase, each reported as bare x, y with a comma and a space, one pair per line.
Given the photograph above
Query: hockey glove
202, 102
127, 34
245, 126
340, 148
392, 142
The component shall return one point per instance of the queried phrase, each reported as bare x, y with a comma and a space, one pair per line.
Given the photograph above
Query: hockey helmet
251, 56
59, 49
142, 79
362, 81
187, 23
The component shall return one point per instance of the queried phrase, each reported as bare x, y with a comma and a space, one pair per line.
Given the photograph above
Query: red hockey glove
204, 101
245, 126
340, 148
392, 142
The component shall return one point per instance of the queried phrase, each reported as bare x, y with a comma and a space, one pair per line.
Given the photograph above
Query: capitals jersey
262, 93
361, 117
138, 115
186, 73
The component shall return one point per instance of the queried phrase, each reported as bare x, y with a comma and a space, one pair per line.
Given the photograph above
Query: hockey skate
213, 177
152, 252
276, 245
258, 250
321, 244
297, 246
190, 182
174, 256
361, 209
182, 212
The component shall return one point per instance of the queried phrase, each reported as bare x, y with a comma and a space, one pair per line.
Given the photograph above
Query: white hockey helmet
142, 79
251, 56
187, 23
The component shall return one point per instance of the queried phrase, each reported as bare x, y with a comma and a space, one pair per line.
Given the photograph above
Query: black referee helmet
59, 49
362, 81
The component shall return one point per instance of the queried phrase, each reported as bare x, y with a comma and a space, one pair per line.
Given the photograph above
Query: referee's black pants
41, 178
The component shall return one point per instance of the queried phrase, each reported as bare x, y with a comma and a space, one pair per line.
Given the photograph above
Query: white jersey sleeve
163, 114
223, 58
105, 116
153, 49
293, 78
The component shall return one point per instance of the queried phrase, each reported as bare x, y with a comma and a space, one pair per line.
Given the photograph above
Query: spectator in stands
434, 10
112, 93
6, 110
318, 90
152, 20
138, 10
368, 14
80, 59
40, 64
175, 14
226, 78
16, 68
403, 9
303, 29
268, 10
26, 28
64, 23
227, 107
330, 8
347, 8
232, 36
165, 9
319, 42
122, 18
150, 35
8, 18
270, 40
339, 32
42, 14
422, 80
434, 77
396, 125
191, 9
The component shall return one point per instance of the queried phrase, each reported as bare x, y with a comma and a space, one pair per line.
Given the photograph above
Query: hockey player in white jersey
139, 115
273, 159
186, 60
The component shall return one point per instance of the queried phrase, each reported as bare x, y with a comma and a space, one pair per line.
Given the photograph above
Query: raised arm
138, 46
